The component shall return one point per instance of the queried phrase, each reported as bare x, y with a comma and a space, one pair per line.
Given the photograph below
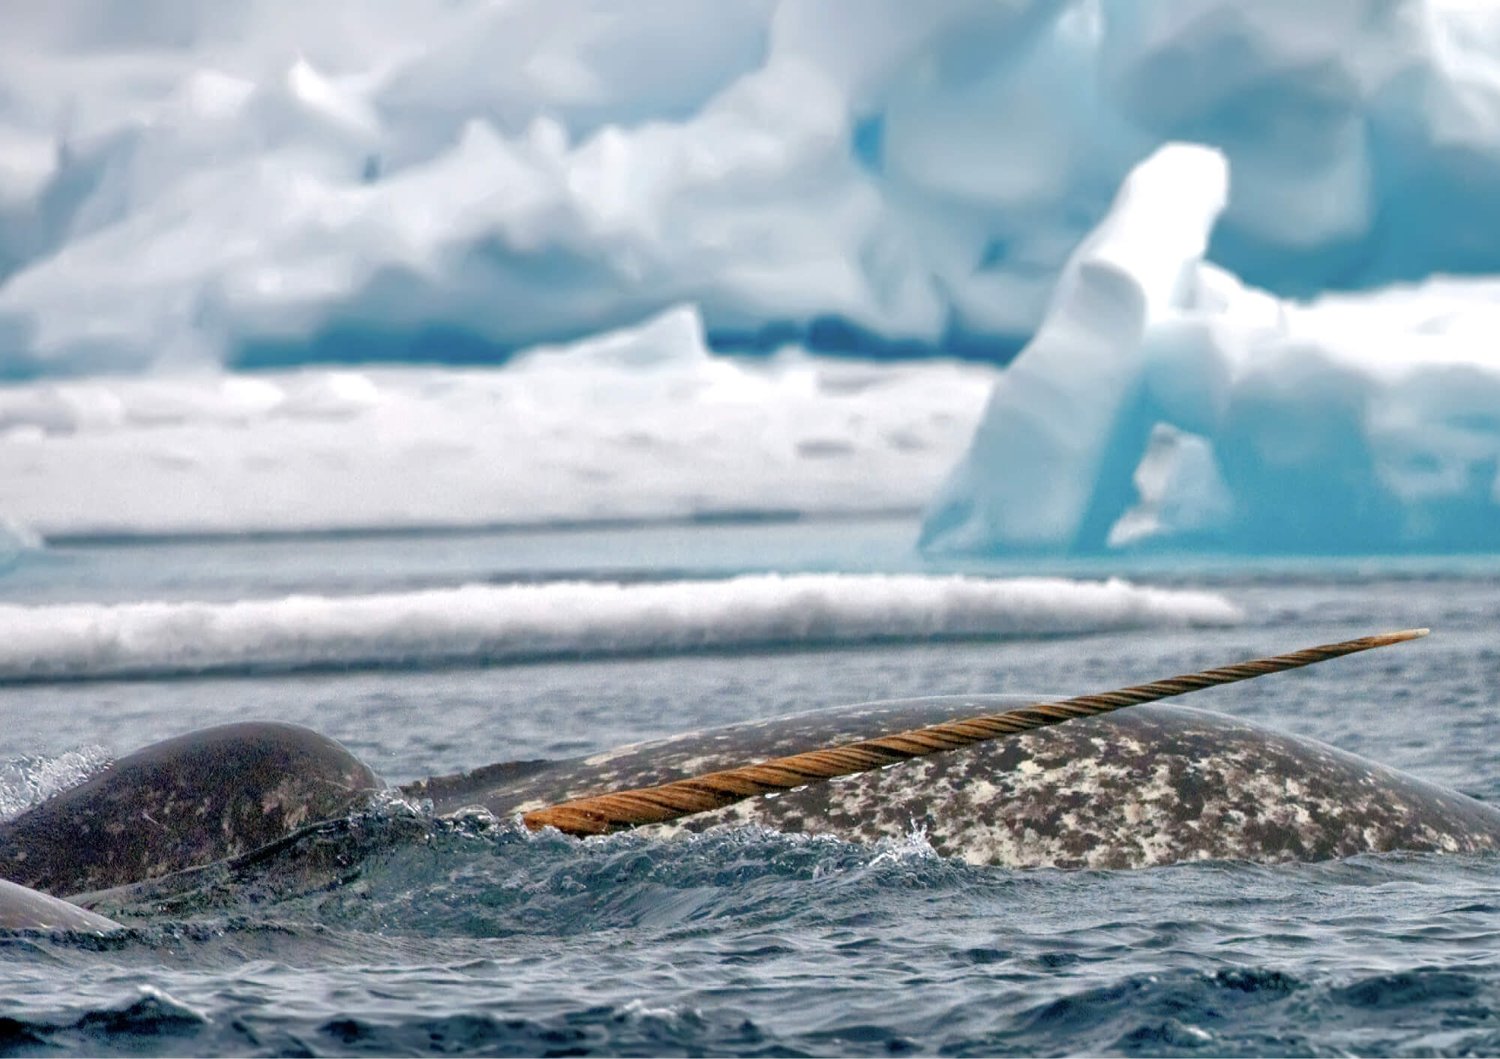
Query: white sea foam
30, 780
484, 624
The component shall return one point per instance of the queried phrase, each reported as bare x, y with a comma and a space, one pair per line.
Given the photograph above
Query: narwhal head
180, 803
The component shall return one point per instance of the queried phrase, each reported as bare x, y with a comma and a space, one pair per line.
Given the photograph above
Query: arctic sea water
484, 940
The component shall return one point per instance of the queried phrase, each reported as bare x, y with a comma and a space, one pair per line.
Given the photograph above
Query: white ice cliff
1164, 404
453, 179
1275, 340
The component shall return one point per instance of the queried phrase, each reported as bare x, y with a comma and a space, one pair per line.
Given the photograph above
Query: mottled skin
187, 801
207, 814
1148, 785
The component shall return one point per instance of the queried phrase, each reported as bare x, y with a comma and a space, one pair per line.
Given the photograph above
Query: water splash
33, 778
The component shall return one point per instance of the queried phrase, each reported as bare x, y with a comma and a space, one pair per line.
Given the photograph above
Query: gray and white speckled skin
1149, 785
1146, 786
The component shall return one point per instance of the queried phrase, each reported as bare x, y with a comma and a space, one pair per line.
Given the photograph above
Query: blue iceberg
1164, 404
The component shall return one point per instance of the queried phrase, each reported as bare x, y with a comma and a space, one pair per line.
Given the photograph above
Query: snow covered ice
644, 423
1268, 336
450, 179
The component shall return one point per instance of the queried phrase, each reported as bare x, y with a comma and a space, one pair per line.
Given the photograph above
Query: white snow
639, 424
483, 624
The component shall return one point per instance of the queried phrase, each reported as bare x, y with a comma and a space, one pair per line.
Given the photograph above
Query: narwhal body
1146, 786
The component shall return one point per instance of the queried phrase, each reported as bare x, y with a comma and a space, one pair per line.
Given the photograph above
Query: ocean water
477, 938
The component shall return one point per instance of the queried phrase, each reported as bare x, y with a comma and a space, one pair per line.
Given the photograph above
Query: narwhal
990, 779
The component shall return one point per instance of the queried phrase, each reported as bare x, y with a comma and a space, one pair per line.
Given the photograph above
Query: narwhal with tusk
991, 779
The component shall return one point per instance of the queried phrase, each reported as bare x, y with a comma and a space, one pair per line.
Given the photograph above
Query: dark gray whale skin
1148, 785
195, 820
187, 801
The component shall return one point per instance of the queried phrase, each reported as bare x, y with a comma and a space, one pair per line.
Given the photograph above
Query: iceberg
1164, 404
454, 180
265, 269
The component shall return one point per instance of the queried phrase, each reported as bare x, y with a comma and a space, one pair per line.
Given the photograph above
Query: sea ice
643, 423
454, 179
1164, 404
197, 187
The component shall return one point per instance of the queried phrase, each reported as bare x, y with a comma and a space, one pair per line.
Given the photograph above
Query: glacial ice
1162, 404
1274, 340
453, 180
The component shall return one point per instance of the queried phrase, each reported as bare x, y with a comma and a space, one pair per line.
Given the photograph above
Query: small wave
490, 624
31, 780
140, 1023
1422, 985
